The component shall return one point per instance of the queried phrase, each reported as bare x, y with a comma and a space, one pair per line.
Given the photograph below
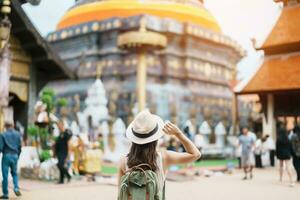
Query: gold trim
139, 39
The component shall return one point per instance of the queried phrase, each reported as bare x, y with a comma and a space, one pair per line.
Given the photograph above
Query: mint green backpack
139, 184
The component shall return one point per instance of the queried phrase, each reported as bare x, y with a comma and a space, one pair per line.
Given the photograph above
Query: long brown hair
143, 154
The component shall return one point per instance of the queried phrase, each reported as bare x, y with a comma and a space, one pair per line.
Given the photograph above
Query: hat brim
159, 133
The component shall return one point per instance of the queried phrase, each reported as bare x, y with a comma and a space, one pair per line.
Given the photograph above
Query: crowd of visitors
260, 151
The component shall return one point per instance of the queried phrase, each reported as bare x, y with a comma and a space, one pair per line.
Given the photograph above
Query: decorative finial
143, 23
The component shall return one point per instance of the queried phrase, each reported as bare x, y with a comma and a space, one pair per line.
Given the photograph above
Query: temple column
32, 96
269, 123
141, 81
235, 113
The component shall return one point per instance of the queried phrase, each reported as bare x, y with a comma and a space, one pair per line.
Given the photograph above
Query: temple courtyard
264, 186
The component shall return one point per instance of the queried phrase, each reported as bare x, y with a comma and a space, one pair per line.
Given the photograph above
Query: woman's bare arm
121, 170
191, 154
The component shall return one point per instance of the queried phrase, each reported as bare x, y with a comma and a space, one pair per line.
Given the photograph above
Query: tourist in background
172, 145
258, 152
247, 142
238, 152
188, 134
295, 140
10, 147
265, 153
270, 145
283, 153
91, 130
61, 150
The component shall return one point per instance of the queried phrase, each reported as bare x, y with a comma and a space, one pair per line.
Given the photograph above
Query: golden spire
143, 24
99, 70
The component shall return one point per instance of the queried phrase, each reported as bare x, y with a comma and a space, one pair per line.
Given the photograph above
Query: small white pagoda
96, 104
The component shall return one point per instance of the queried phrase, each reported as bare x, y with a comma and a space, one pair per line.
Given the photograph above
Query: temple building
32, 64
167, 55
277, 80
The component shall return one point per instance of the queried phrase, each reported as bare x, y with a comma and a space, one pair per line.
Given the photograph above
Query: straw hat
145, 128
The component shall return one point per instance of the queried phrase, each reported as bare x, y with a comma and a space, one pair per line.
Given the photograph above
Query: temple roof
42, 54
285, 36
87, 11
278, 73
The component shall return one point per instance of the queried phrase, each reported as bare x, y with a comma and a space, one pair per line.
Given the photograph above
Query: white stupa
96, 104
205, 130
220, 132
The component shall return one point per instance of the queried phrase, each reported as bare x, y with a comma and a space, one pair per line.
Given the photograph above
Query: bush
33, 131
48, 91
45, 155
62, 102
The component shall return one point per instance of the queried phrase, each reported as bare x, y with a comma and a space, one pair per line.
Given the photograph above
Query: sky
239, 19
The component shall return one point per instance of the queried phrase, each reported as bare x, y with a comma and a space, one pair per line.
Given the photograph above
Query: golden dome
102, 10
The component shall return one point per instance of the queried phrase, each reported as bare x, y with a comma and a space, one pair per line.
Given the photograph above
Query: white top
270, 143
253, 135
258, 147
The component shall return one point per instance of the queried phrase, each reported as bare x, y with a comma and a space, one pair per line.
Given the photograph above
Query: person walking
284, 153
247, 142
258, 152
10, 146
295, 140
61, 150
270, 144
144, 133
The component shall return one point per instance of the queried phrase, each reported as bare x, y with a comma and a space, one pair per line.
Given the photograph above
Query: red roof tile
278, 73
285, 32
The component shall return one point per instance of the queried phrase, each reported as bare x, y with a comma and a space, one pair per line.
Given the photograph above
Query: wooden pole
234, 113
141, 81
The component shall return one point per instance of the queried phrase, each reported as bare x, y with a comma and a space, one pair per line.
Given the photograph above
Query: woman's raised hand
171, 129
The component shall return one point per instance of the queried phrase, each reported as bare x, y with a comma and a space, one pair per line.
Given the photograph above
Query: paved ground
264, 186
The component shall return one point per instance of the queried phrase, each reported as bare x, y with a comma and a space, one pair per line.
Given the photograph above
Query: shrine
277, 80
166, 55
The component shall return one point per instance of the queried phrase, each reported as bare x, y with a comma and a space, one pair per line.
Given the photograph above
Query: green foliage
32, 131
48, 98
62, 102
44, 131
48, 91
45, 155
